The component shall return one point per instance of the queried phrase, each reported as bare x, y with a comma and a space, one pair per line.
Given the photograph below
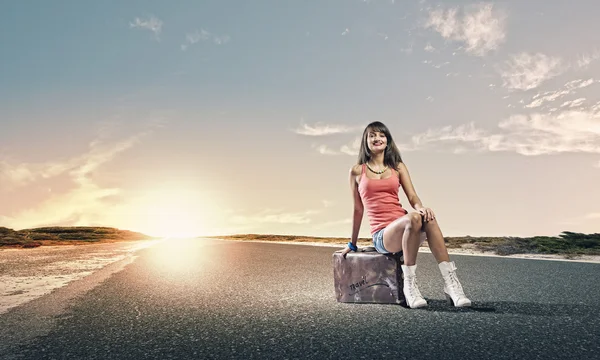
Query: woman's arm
408, 187
411, 194
358, 208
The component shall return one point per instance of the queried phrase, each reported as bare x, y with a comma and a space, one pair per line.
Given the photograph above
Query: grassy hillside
65, 235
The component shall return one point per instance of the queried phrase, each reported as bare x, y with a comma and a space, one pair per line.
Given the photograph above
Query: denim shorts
378, 241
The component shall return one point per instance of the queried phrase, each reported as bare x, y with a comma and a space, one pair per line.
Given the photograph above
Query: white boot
452, 287
411, 291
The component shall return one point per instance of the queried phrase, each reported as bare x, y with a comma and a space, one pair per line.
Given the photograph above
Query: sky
189, 118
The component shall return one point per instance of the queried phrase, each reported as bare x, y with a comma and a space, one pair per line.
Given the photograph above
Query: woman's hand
346, 251
350, 246
427, 214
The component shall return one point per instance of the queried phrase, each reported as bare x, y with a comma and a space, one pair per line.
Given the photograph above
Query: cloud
325, 150
83, 204
534, 134
525, 71
593, 216
346, 31
223, 39
153, 24
203, 35
573, 103
383, 35
481, 28
327, 203
408, 49
320, 129
585, 60
353, 148
429, 48
578, 84
463, 133
549, 96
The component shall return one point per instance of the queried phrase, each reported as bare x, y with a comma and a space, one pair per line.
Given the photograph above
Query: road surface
212, 299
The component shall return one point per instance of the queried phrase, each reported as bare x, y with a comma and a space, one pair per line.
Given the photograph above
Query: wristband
352, 246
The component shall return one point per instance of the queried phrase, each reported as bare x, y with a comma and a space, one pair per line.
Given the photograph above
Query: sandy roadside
26, 274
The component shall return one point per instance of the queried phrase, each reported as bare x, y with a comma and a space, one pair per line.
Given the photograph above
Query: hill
28, 238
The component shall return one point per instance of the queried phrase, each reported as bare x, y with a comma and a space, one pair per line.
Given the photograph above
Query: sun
174, 222
171, 213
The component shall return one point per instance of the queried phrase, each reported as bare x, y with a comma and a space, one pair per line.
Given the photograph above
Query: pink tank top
380, 199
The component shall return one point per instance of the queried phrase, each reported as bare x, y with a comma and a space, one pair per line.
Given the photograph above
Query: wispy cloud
152, 23
580, 83
480, 27
82, 203
465, 133
320, 129
203, 35
533, 134
353, 148
221, 39
345, 32
573, 103
550, 96
325, 150
383, 35
525, 71
585, 60
437, 66
327, 203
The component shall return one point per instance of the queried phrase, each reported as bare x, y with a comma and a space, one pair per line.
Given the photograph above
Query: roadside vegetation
29, 238
569, 244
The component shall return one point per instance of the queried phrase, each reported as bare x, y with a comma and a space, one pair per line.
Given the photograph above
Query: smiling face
376, 141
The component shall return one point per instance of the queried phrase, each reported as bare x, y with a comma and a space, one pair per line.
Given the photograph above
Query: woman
375, 181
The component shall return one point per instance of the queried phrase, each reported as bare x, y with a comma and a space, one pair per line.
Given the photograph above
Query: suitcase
367, 276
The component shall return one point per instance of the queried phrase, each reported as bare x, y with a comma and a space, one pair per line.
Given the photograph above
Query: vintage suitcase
367, 276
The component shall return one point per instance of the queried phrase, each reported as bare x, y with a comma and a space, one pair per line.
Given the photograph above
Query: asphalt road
204, 299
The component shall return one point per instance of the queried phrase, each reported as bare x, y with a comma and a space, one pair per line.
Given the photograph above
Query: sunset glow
170, 213
210, 118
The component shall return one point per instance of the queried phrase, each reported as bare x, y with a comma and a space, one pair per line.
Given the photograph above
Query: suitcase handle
367, 249
372, 248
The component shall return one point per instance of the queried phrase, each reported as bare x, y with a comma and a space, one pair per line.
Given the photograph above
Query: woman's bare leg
404, 234
435, 239
452, 286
